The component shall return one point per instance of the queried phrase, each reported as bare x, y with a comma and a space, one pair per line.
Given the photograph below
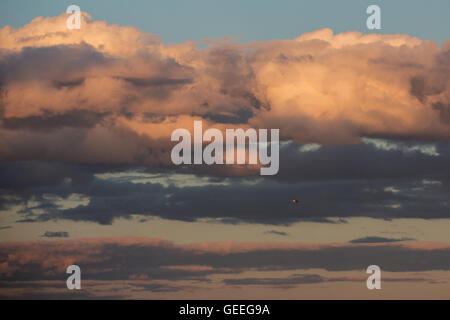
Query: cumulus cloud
76, 105
85, 123
119, 90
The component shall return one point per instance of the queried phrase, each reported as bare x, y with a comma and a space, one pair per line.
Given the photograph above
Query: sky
245, 21
87, 177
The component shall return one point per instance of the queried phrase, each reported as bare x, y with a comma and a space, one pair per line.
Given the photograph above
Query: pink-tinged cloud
142, 258
113, 93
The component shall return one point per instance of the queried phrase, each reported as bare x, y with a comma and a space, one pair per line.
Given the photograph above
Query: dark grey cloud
56, 234
331, 182
56, 290
50, 121
61, 65
234, 117
420, 88
299, 279
266, 201
68, 83
375, 239
277, 282
156, 82
31, 290
158, 288
22, 176
443, 109
278, 233
363, 161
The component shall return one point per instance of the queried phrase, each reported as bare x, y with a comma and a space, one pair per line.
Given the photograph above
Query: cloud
381, 184
360, 116
142, 266
277, 282
275, 232
57, 290
375, 239
300, 279
330, 182
86, 117
56, 234
48, 122
123, 91
157, 259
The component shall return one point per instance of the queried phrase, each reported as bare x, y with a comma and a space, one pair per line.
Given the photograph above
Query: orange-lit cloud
123, 90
